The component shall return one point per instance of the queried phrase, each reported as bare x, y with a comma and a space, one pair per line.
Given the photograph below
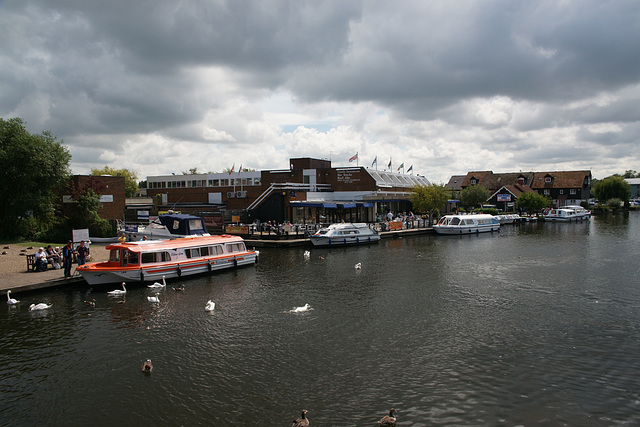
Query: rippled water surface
536, 325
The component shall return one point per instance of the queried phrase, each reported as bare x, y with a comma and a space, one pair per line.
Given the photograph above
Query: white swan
157, 285
118, 291
39, 306
307, 254
210, 306
302, 309
154, 299
359, 266
10, 300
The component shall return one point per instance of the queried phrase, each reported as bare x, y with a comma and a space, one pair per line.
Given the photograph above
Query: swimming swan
307, 254
118, 291
302, 309
10, 300
154, 299
39, 306
157, 285
359, 266
210, 306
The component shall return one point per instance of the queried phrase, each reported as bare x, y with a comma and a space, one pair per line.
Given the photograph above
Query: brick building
111, 190
311, 190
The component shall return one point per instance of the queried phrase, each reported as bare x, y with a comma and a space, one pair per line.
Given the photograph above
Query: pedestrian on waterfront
53, 257
83, 251
41, 260
122, 238
67, 255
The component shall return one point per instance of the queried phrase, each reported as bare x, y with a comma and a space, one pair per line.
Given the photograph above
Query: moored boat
466, 224
150, 260
345, 234
567, 214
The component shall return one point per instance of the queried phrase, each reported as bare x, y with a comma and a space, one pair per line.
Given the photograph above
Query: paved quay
23, 281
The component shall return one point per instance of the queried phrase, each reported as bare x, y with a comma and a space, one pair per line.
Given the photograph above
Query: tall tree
613, 187
532, 201
474, 196
130, 178
428, 198
32, 168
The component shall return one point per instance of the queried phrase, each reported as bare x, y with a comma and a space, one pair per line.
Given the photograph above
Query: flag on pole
410, 169
375, 161
240, 168
401, 166
232, 169
389, 165
353, 158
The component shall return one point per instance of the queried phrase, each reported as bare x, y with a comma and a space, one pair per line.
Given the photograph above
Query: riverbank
14, 274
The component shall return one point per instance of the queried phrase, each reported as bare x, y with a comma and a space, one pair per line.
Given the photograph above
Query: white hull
341, 241
454, 229
155, 273
567, 214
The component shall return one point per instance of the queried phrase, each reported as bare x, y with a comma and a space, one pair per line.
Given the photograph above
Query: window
561, 191
148, 257
572, 191
133, 258
204, 251
192, 253
547, 192
216, 250
236, 247
474, 181
548, 179
114, 255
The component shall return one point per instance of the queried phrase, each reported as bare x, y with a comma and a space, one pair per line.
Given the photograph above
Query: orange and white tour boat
150, 260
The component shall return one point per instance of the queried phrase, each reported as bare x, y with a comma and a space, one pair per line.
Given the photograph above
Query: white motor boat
466, 224
345, 234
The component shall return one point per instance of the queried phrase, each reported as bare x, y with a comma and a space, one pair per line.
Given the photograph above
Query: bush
614, 203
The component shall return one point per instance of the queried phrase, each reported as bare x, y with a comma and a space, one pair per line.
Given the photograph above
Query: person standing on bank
67, 254
83, 251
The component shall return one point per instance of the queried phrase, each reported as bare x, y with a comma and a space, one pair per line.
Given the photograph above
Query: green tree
32, 168
130, 178
613, 187
474, 196
532, 201
428, 198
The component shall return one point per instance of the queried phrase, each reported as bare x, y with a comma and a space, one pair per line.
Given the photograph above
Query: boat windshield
114, 255
323, 231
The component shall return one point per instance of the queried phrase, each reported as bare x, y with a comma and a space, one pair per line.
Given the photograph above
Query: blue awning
365, 205
329, 205
348, 205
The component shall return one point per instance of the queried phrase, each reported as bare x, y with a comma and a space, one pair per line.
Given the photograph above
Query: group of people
57, 258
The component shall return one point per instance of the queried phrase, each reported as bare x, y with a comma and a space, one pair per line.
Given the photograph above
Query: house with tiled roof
562, 187
504, 198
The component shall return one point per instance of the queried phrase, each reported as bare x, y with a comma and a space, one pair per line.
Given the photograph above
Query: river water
538, 324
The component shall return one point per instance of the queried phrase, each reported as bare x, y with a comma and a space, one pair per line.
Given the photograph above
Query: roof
633, 181
151, 245
455, 182
561, 179
386, 179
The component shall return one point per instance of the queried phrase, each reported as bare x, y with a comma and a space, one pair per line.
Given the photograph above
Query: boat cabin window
192, 253
236, 247
216, 250
204, 251
114, 255
468, 221
132, 258
455, 221
148, 257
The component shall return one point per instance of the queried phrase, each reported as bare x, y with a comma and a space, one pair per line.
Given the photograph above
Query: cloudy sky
163, 86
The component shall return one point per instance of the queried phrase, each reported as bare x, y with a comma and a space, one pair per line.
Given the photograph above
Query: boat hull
155, 273
344, 241
466, 229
